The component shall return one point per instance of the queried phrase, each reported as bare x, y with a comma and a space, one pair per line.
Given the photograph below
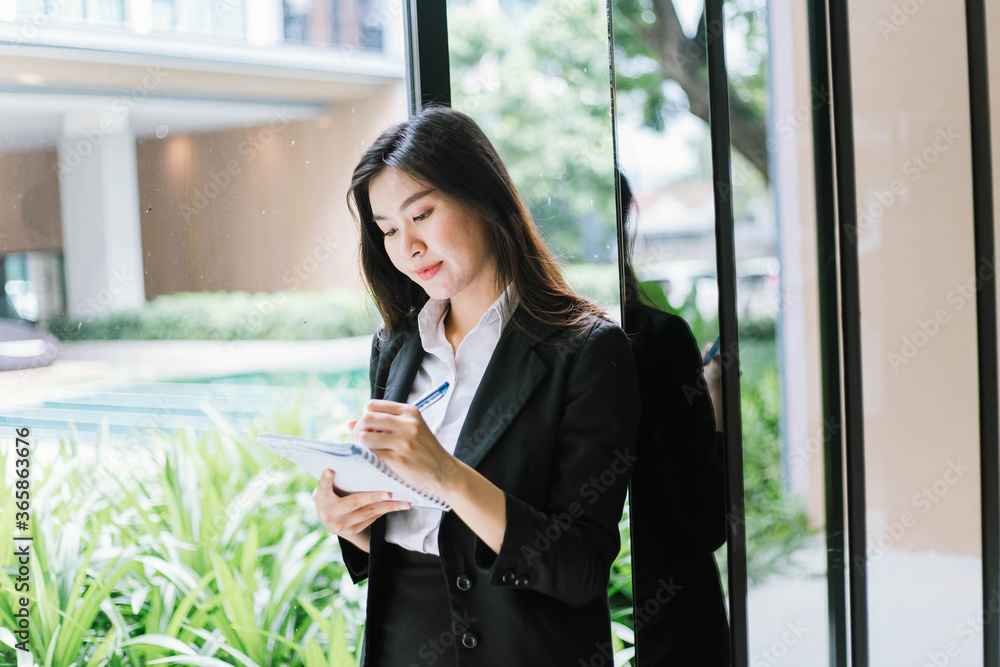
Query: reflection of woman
677, 496
532, 444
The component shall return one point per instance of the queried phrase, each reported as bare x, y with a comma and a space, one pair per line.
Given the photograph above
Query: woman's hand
398, 434
349, 515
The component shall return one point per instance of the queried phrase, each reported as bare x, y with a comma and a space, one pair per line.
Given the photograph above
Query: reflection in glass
677, 493
535, 77
663, 138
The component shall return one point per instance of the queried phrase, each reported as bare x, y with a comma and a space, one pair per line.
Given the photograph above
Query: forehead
392, 190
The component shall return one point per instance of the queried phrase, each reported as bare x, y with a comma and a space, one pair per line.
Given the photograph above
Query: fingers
351, 513
403, 426
389, 407
373, 421
365, 515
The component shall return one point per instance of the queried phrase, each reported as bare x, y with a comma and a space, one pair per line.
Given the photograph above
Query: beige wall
280, 222
920, 389
29, 202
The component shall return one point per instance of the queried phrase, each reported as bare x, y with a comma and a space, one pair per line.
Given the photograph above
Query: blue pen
432, 398
711, 353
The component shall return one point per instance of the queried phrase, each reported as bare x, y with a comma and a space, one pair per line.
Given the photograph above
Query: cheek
393, 254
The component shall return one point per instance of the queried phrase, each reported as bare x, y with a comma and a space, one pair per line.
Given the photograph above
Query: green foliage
292, 315
186, 551
207, 550
640, 80
597, 282
776, 523
539, 88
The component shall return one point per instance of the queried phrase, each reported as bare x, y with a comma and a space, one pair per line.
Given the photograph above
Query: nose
413, 243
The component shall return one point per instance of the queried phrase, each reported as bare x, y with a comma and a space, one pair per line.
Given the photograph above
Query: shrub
291, 315
191, 550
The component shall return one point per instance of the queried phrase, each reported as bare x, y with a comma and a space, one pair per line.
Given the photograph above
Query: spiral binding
371, 458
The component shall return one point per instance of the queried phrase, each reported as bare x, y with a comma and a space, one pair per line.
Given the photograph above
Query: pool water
356, 379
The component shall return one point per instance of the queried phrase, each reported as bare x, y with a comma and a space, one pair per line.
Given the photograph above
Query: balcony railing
323, 23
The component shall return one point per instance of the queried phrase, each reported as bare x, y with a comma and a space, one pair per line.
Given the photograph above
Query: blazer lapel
514, 371
403, 369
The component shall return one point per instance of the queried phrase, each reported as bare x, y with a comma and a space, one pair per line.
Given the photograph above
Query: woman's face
438, 243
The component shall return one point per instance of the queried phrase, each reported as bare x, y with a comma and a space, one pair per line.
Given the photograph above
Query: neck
464, 313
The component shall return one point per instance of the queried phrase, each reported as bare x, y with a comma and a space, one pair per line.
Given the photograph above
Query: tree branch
685, 61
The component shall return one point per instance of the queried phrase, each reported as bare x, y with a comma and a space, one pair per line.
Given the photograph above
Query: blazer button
508, 576
521, 581
469, 640
463, 583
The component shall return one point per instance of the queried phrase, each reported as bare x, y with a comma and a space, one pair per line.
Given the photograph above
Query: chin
436, 292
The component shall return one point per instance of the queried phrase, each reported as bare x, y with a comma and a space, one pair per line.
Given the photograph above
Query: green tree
537, 80
653, 50
539, 86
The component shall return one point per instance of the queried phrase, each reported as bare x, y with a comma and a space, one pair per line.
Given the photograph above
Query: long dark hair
445, 149
635, 293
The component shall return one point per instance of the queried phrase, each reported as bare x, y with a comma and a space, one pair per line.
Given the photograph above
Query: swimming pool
132, 410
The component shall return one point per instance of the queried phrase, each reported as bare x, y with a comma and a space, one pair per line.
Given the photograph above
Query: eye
389, 233
424, 215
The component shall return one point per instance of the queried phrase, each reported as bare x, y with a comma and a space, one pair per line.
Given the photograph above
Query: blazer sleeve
356, 559
567, 550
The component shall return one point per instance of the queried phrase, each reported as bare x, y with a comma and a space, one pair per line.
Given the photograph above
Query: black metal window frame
428, 79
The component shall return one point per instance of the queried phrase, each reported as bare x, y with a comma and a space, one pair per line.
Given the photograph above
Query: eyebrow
409, 200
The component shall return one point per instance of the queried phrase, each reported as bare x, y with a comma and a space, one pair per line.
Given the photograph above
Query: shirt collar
429, 320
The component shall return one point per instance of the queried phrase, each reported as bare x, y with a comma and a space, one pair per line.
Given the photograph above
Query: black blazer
677, 501
553, 425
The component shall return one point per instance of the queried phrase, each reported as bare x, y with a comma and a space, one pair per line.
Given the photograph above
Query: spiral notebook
357, 468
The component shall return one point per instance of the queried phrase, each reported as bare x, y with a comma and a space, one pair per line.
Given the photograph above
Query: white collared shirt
417, 529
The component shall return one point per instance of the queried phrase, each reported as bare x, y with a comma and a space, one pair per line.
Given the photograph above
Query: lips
429, 272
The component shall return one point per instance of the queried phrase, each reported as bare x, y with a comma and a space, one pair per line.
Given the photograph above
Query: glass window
164, 14
918, 326
63, 8
179, 273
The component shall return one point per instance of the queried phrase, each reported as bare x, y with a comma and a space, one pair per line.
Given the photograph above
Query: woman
532, 445
677, 515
